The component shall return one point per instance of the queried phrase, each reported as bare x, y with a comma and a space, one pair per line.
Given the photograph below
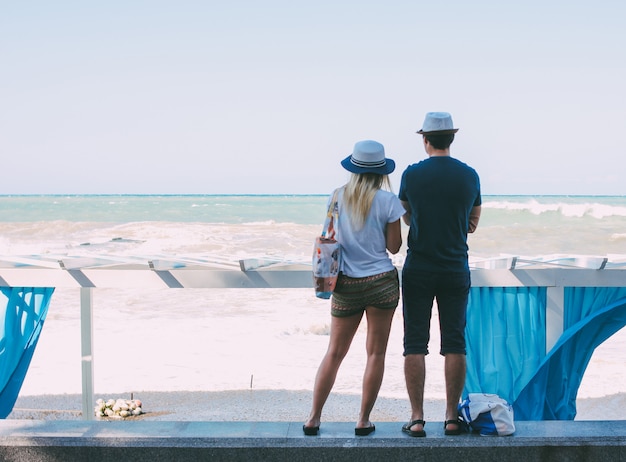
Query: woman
368, 226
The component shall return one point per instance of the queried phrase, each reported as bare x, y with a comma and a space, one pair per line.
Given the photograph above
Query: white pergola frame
89, 273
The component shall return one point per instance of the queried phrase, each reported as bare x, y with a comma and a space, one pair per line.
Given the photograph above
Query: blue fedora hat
368, 157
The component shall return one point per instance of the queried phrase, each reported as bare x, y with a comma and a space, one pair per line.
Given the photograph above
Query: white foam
592, 209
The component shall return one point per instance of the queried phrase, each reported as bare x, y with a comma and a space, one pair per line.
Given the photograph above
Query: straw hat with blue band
368, 157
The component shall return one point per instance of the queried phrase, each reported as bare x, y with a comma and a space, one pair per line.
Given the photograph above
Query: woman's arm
393, 237
407, 216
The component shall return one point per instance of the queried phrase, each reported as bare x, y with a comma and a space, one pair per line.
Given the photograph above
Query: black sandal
457, 431
406, 428
364, 431
310, 431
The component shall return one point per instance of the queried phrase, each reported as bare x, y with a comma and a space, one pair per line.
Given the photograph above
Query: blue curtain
581, 302
551, 393
21, 321
506, 338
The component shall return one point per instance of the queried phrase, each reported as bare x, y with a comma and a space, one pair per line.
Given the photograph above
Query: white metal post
86, 349
554, 315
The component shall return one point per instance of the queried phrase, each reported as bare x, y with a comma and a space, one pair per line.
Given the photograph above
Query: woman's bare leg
342, 332
378, 329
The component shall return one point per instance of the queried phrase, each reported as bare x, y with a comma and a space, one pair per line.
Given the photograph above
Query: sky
267, 97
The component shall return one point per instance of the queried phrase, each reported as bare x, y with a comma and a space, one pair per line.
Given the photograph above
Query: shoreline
258, 405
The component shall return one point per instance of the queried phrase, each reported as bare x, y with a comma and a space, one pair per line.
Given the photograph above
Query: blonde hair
359, 194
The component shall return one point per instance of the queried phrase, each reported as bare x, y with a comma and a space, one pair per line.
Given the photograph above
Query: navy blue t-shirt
441, 192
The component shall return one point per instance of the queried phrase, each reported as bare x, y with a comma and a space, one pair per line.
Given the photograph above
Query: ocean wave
262, 223
570, 210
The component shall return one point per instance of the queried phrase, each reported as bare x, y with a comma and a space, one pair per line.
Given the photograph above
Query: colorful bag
327, 254
487, 414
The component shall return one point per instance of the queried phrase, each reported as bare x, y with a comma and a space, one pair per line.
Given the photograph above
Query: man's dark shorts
419, 289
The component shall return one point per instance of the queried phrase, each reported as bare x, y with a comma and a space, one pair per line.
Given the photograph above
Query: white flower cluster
118, 408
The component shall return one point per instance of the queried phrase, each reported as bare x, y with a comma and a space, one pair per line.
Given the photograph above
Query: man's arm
473, 218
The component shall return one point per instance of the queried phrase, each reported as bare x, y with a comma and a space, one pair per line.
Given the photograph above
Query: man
442, 199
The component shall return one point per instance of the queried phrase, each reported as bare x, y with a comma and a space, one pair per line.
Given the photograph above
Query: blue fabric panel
581, 302
506, 338
21, 321
551, 393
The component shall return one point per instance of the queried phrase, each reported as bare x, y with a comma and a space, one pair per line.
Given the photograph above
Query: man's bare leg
455, 368
415, 377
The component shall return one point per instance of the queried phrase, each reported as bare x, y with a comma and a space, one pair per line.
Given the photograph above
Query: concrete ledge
33, 440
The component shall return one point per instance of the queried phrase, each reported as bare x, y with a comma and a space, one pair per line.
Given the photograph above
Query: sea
224, 339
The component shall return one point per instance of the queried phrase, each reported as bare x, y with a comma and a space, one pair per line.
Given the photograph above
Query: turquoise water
285, 224
301, 209
175, 208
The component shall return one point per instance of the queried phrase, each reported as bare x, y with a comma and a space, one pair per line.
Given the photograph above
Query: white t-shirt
364, 251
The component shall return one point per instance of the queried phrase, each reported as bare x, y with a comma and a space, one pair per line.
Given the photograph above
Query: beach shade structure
21, 321
506, 345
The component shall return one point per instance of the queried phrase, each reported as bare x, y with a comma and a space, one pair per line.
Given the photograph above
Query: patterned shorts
353, 295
